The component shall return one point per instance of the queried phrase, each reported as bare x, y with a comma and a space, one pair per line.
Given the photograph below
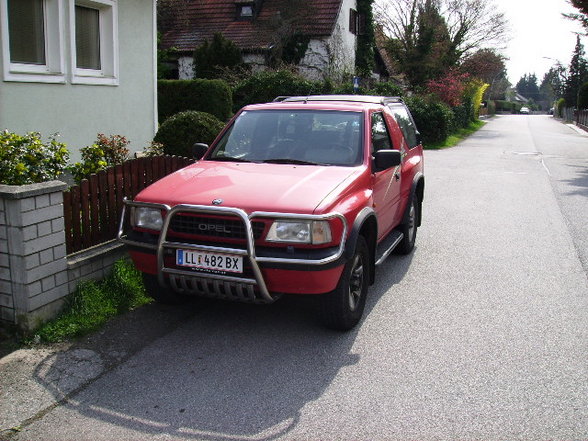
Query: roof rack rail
384, 100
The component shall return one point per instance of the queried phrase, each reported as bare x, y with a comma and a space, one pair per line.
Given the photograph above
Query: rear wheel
342, 308
161, 294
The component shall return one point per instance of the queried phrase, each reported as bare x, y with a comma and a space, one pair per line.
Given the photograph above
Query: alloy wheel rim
411, 221
356, 282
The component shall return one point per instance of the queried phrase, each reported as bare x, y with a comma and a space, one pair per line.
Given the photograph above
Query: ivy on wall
366, 41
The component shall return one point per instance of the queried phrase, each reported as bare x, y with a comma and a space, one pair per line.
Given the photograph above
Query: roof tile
198, 20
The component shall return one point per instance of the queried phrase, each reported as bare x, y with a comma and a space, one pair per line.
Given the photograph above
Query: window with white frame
94, 35
32, 40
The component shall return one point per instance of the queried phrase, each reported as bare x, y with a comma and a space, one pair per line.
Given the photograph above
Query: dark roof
195, 21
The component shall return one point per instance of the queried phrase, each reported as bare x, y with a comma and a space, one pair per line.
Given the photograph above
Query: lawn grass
93, 303
455, 138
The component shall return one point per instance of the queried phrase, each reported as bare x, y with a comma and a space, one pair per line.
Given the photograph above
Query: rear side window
406, 123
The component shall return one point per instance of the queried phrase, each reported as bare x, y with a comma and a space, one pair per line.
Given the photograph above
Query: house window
353, 21
246, 11
32, 42
356, 22
26, 29
87, 38
94, 34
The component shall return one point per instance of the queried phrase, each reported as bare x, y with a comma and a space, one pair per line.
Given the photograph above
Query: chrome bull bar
184, 280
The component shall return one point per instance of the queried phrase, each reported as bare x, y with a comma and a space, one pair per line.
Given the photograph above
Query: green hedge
210, 96
263, 87
507, 106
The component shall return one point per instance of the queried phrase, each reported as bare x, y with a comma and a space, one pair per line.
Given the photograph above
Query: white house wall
78, 111
334, 56
342, 43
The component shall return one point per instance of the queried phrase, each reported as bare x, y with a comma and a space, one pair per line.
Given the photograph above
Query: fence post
33, 264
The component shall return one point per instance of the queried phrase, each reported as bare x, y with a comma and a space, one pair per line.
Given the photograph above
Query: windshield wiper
229, 159
290, 161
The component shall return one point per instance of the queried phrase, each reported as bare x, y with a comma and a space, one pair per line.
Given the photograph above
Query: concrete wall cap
28, 190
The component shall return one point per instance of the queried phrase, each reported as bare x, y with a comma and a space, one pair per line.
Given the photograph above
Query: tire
342, 308
409, 229
160, 294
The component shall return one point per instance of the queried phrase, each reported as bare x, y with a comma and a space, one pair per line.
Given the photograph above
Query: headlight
311, 232
149, 218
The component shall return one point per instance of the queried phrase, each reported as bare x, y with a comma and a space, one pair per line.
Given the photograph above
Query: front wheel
342, 308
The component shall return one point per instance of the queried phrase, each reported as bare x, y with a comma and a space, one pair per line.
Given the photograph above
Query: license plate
210, 261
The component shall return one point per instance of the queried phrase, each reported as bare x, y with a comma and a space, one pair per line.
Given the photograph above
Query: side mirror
385, 159
198, 150
419, 137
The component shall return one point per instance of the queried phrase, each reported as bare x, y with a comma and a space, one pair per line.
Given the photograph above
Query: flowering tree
450, 87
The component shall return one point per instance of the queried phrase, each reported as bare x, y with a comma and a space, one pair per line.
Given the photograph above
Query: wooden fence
92, 209
582, 119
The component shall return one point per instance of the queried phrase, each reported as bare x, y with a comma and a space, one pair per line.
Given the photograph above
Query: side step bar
387, 246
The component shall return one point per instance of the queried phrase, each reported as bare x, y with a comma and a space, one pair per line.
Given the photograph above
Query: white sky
538, 30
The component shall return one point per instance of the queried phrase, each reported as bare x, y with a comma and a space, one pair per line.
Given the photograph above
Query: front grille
214, 227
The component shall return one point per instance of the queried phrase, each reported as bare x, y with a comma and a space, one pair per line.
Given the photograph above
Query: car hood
250, 186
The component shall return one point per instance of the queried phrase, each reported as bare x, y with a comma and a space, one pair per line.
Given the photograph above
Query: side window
380, 136
406, 124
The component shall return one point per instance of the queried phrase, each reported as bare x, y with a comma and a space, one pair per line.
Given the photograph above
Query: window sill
95, 81
20, 77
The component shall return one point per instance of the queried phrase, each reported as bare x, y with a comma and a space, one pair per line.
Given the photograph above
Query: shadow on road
580, 181
228, 372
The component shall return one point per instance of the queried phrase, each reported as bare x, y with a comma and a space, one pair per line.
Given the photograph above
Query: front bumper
281, 270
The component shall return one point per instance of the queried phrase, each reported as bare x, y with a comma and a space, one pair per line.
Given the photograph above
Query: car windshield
304, 137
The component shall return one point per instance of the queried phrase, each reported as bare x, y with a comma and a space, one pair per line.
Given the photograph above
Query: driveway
481, 333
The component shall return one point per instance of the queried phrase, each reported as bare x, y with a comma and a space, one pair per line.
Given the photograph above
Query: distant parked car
525, 110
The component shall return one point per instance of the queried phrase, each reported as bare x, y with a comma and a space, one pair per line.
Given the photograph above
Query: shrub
211, 96
434, 119
26, 159
105, 152
386, 89
463, 114
179, 132
211, 58
264, 86
561, 105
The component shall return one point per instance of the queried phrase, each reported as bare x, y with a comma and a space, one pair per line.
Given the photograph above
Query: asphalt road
482, 333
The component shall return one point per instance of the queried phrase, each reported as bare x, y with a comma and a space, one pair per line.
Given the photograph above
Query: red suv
305, 195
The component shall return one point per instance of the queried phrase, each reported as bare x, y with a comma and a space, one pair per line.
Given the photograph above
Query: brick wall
35, 273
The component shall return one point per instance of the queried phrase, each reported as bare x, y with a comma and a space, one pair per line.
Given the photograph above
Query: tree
553, 84
577, 74
527, 86
211, 58
469, 24
582, 16
487, 65
420, 42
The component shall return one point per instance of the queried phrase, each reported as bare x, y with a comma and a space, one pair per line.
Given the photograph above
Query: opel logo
217, 202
